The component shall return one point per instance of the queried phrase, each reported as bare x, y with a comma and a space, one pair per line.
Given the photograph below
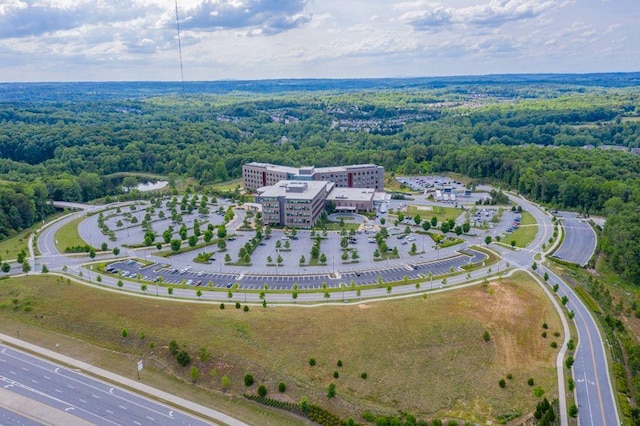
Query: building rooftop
299, 190
352, 194
310, 170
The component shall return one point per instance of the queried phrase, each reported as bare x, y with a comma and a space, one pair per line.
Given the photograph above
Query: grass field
526, 233
442, 213
423, 356
10, 247
67, 236
227, 186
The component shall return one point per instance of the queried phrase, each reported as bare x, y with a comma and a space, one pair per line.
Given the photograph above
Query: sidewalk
205, 413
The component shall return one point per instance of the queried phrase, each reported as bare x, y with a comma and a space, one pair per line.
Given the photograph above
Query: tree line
525, 137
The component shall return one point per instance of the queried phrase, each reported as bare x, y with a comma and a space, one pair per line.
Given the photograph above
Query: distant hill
29, 92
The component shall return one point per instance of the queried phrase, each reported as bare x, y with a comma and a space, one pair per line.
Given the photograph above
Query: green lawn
442, 213
335, 226
67, 236
227, 186
524, 235
10, 247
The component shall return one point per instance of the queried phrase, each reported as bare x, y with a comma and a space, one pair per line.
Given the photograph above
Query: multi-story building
258, 175
296, 204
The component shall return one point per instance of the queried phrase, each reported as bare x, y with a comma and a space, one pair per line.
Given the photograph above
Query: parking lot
193, 277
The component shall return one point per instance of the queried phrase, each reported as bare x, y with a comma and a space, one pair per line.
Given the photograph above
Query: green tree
573, 410
248, 379
115, 251
262, 390
331, 390
195, 374
225, 383
175, 244
488, 239
222, 232
183, 358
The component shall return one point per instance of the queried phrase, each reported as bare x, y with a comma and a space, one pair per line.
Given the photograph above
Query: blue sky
117, 40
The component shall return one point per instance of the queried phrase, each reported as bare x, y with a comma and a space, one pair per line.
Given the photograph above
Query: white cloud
256, 16
425, 16
137, 39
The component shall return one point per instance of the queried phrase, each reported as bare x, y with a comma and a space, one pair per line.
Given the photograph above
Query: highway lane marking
69, 386
12, 372
82, 400
58, 390
47, 377
35, 381
593, 360
122, 407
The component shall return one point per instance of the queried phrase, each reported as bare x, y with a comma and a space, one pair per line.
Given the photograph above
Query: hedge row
314, 413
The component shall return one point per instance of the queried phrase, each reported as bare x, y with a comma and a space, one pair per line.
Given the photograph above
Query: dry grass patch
426, 357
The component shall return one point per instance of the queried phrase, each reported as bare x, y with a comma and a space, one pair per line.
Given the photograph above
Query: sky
137, 40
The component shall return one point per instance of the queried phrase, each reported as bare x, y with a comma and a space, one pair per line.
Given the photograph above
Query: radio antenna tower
179, 47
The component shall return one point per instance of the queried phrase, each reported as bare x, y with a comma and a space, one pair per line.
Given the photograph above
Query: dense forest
567, 141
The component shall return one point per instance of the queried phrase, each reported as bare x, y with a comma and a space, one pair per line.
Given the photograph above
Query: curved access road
579, 240
594, 392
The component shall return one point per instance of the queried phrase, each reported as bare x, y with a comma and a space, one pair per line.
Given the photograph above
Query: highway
77, 394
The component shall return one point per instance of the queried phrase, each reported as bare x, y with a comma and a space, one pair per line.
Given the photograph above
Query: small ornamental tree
262, 390
331, 390
248, 379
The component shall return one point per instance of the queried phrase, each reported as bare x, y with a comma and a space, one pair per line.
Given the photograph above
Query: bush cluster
313, 412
